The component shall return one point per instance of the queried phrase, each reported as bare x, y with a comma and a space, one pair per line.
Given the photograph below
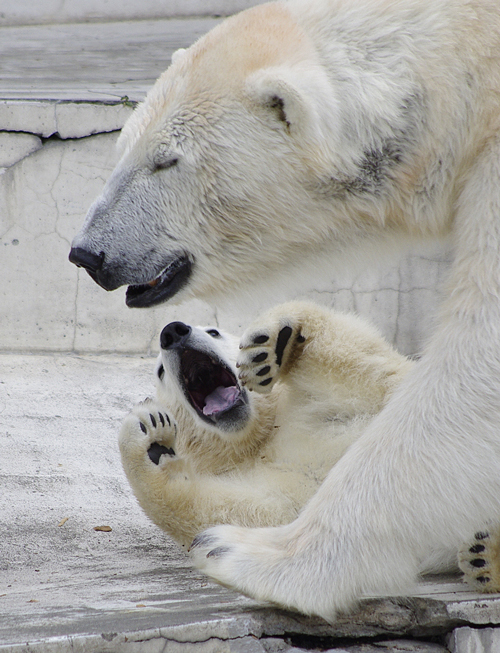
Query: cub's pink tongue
220, 399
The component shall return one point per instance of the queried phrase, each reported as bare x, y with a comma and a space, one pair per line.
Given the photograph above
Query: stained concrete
101, 62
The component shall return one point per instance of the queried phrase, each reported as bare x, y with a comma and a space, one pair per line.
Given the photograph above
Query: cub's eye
163, 165
214, 333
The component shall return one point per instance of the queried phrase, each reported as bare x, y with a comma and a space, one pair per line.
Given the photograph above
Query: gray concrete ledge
100, 62
65, 119
27, 12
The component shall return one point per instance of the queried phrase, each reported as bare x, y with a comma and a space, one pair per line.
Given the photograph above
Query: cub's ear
303, 100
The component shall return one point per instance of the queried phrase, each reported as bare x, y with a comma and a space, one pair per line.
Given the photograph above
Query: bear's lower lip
163, 287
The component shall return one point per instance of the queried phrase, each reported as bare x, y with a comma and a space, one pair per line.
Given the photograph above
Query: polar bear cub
245, 435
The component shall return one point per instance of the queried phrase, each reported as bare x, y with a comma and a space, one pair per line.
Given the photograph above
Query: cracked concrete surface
52, 306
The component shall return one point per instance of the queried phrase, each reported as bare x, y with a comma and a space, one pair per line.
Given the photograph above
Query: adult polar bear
309, 126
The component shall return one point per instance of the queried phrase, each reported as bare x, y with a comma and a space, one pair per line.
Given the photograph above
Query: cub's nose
84, 259
174, 335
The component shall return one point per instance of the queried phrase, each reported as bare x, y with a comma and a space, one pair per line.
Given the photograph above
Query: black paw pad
260, 340
478, 562
483, 579
267, 381
281, 343
260, 357
477, 548
156, 451
143, 427
153, 421
264, 371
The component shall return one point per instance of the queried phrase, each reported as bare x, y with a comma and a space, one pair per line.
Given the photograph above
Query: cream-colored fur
335, 374
315, 134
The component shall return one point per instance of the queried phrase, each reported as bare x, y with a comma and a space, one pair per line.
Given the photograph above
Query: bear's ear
301, 98
178, 55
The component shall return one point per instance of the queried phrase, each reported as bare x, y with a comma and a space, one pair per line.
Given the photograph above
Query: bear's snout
85, 259
174, 334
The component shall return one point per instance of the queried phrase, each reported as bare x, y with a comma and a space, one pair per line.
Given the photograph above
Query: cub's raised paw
154, 428
266, 351
479, 560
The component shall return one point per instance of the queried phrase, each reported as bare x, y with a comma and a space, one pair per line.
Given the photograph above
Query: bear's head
196, 369
241, 161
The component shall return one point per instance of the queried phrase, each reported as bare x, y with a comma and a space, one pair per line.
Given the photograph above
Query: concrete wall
48, 305
30, 12
60, 113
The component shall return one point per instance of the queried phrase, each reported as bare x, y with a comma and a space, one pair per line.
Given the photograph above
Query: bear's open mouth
211, 388
172, 278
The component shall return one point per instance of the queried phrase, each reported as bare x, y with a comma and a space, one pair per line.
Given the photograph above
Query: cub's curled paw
151, 424
266, 351
479, 561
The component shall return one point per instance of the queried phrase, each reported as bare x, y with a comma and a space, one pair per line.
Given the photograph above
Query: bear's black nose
84, 259
174, 335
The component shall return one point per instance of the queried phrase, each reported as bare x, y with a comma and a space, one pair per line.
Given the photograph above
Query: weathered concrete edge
391, 617
64, 118
45, 12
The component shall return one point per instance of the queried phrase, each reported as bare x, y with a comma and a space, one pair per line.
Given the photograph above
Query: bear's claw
158, 428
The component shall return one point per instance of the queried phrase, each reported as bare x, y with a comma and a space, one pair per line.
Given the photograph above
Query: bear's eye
164, 164
214, 333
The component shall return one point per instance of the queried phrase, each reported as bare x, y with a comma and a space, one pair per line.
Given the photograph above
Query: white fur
410, 147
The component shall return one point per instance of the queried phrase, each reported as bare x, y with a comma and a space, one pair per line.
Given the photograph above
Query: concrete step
43, 12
